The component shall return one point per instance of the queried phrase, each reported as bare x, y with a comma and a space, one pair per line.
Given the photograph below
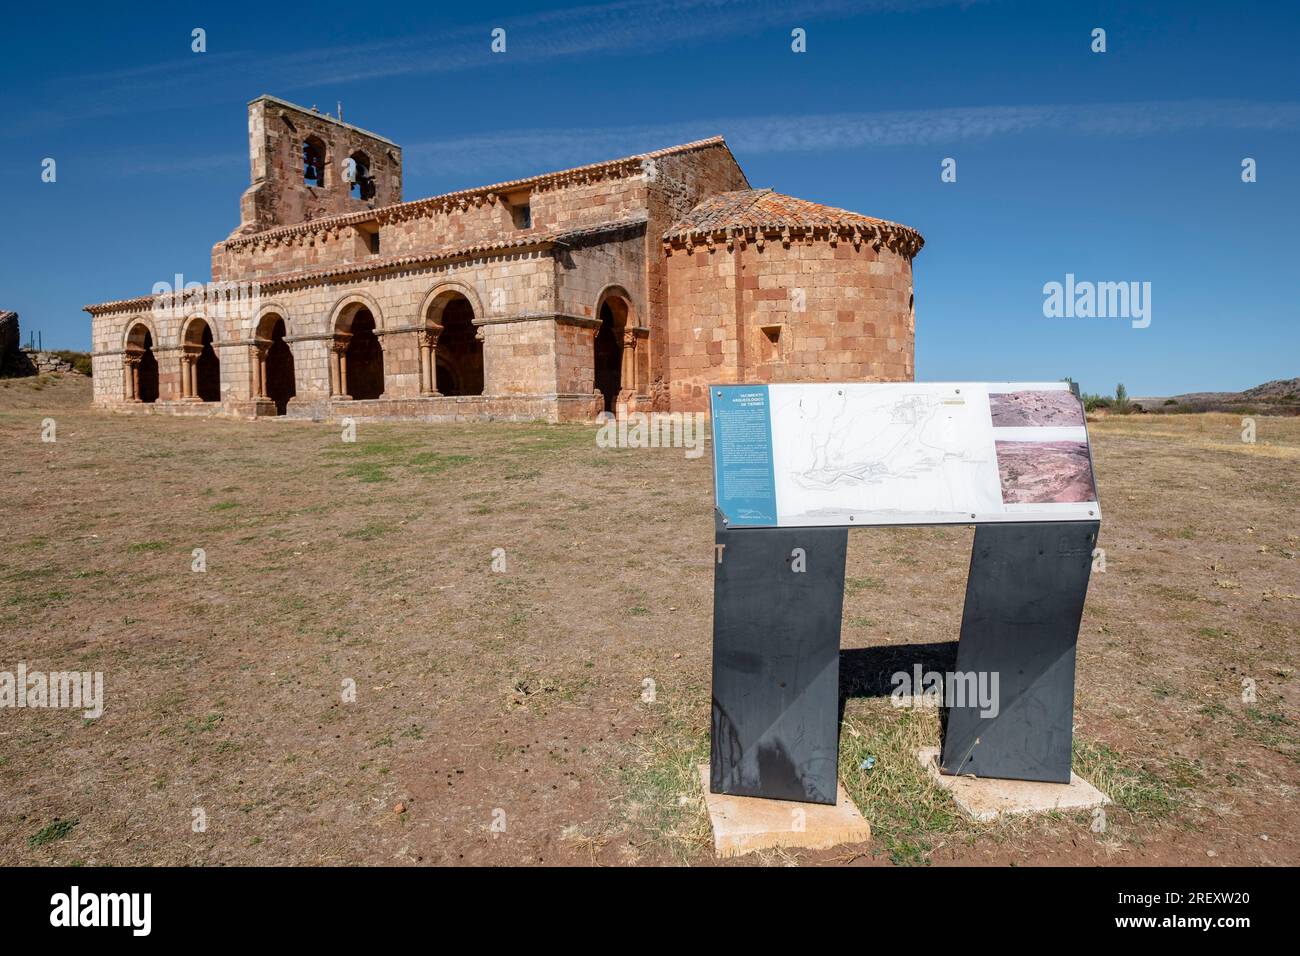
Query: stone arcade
632, 282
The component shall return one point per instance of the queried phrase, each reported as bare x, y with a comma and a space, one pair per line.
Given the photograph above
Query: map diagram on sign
902, 454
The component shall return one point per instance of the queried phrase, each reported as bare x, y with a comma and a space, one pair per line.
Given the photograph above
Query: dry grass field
516, 697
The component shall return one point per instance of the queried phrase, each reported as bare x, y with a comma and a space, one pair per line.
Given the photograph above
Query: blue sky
1122, 166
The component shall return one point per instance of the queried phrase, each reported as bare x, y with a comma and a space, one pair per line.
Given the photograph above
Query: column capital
428, 336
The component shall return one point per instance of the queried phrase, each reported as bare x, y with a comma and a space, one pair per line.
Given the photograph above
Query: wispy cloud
638, 26
500, 156
628, 27
558, 148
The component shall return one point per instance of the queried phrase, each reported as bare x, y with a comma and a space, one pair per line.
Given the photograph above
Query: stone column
259, 371
339, 367
132, 362
627, 375
429, 360
190, 374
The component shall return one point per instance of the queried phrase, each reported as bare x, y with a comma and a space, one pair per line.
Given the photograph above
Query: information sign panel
900, 453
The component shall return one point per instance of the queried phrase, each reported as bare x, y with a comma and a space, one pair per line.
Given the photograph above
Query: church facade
631, 283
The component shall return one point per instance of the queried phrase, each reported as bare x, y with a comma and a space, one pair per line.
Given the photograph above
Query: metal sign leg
778, 595
1024, 600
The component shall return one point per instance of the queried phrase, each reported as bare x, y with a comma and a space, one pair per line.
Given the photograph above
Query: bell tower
306, 164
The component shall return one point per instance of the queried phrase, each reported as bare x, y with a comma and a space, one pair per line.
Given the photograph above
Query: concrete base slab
745, 824
986, 799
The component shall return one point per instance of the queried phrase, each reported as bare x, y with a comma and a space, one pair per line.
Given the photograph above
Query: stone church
634, 282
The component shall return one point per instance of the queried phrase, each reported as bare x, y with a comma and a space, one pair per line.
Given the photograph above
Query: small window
374, 243
522, 213
313, 162
771, 343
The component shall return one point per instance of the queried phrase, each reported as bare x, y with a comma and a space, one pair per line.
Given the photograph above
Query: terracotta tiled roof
762, 212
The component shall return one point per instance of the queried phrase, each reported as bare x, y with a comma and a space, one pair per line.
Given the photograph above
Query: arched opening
277, 380
609, 348
364, 357
313, 161
458, 357
200, 367
362, 183
141, 366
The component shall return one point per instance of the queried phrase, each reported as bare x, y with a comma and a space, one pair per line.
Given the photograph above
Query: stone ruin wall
16, 361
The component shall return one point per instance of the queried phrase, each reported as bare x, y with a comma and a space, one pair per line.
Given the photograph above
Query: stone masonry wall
834, 313
582, 273
278, 195
681, 182
511, 296
701, 307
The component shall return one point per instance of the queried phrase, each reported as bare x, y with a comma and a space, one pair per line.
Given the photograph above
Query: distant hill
1280, 397
1282, 390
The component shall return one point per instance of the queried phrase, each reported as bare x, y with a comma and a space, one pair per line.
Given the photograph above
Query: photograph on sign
1045, 472
900, 453
1035, 406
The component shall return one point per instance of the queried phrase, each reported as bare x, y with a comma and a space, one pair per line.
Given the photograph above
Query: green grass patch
858, 585
659, 784
37, 598
907, 811
367, 472
372, 462
371, 531
205, 724
52, 832
1138, 789
391, 448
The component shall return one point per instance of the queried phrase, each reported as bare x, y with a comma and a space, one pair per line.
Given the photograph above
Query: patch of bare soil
351, 681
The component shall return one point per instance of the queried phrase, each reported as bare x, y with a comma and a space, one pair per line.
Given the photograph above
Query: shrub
78, 360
